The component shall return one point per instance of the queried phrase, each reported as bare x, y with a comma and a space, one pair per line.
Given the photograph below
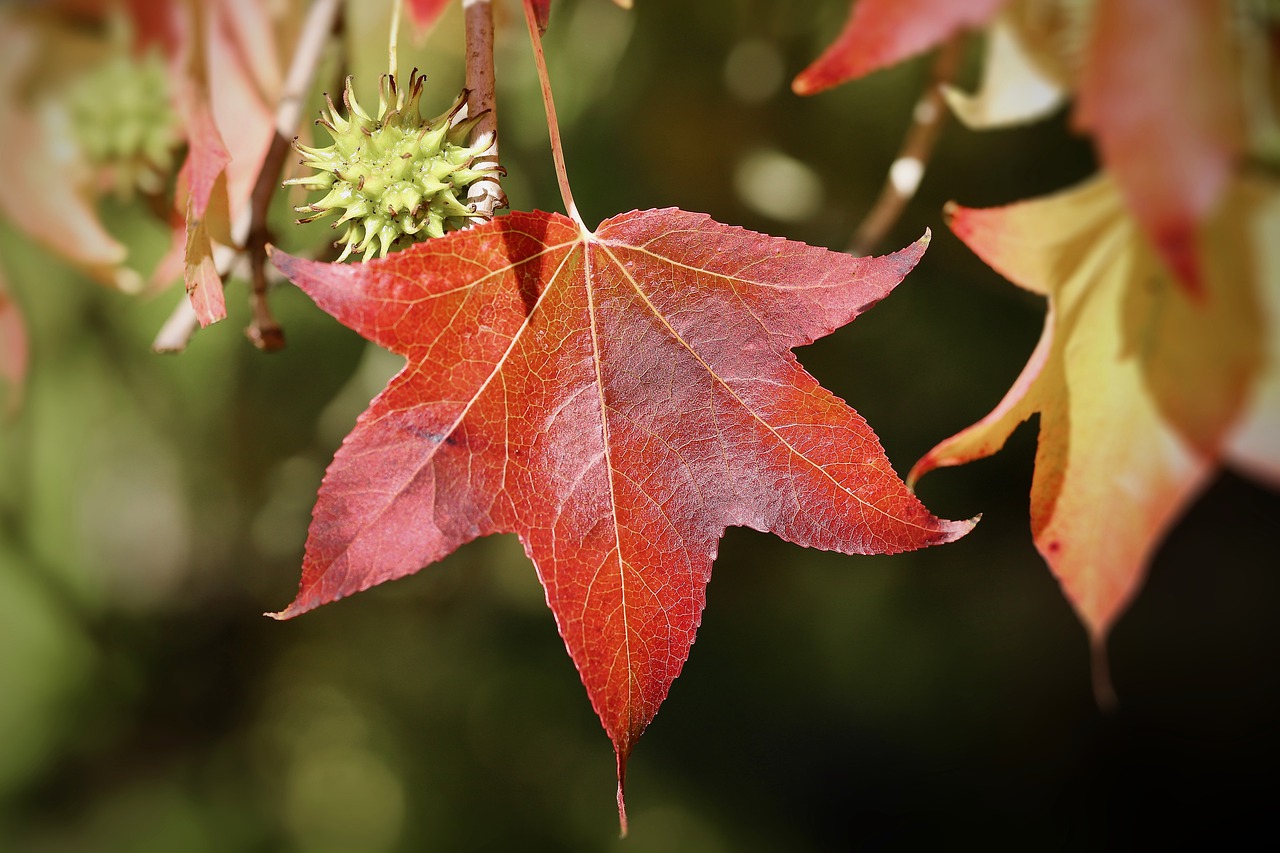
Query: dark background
152, 508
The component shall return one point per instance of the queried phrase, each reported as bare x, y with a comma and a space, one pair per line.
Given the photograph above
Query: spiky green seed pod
125, 122
394, 176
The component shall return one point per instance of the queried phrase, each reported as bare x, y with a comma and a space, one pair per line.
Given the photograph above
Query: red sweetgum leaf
425, 13
154, 25
880, 33
616, 399
542, 11
203, 172
1158, 95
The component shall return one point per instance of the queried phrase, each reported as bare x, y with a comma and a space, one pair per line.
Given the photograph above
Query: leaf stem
1104, 693
622, 797
908, 167
394, 39
553, 126
249, 227
486, 194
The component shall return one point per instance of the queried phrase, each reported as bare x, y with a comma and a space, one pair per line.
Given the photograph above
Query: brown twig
486, 193
249, 227
917, 147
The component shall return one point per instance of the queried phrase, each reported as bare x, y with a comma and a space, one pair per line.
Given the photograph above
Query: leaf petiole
553, 126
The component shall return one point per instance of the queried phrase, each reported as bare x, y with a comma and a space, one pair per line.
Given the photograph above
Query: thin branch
553, 125
908, 168
486, 193
249, 227
264, 330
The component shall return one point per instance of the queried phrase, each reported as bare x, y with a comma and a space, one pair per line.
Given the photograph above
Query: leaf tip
294, 609
953, 530
280, 259
908, 256
959, 219
802, 85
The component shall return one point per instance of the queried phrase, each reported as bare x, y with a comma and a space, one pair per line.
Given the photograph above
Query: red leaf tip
802, 86
1177, 246
950, 531
288, 613
295, 608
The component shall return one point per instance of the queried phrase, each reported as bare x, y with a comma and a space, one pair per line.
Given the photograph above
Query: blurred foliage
152, 507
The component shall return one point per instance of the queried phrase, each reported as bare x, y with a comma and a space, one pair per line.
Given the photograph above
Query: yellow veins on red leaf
616, 399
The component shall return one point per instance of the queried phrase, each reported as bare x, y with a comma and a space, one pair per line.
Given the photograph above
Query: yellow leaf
1255, 446
1014, 88
1136, 382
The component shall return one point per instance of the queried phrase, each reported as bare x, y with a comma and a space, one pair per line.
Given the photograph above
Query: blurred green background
151, 508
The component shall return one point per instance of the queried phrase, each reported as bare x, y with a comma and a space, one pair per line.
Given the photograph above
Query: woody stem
908, 167
486, 194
